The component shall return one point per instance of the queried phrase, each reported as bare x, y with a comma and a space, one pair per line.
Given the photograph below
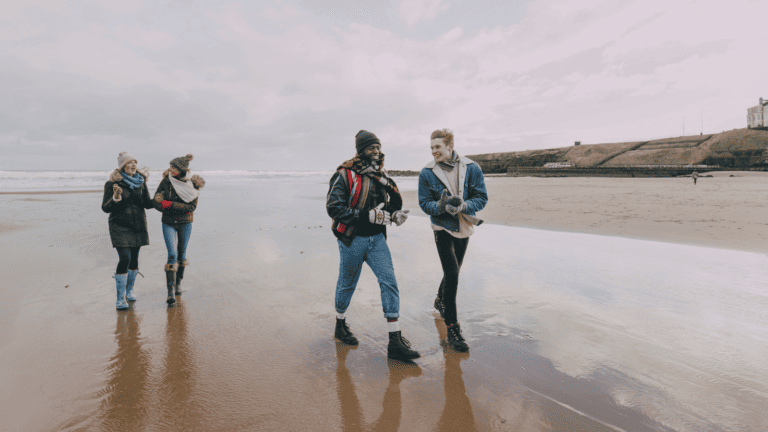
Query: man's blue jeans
176, 239
375, 252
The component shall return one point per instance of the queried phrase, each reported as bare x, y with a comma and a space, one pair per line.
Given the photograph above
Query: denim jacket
432, 181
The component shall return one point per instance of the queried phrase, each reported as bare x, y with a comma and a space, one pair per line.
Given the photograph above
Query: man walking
451, 190
695, 176
362, 200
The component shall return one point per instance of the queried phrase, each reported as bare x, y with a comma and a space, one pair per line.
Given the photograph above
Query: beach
578, 318
720, 211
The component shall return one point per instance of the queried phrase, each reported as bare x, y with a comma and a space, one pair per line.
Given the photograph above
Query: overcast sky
286, 84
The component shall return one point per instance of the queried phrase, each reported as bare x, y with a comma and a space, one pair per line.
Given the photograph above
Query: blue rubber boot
129, 285
121, 280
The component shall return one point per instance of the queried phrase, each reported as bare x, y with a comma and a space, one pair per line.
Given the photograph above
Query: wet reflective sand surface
568, 332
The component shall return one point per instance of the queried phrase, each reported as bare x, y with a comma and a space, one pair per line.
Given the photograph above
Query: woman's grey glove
454, 210
443, 201
378, 216
400, 216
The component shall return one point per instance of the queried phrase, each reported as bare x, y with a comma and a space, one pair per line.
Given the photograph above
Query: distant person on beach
695, 177
125, 198
451, 190
362, 200
176, 198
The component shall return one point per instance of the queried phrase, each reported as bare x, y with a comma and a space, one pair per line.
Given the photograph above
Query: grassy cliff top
735, 148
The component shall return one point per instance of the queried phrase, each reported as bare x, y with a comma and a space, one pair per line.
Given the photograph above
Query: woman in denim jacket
451, 191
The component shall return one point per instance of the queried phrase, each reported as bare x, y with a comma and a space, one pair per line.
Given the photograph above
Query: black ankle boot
399, 348
455, 339
440, 307
343, 334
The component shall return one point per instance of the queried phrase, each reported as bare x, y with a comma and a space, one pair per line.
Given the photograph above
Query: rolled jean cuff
392, 315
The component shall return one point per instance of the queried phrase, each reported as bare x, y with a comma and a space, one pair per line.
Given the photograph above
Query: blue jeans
375, 252
176, 240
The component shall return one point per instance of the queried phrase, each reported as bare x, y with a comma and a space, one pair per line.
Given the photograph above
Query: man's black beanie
363, 139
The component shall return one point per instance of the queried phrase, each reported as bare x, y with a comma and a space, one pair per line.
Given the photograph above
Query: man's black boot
399, 348
343, 334
440, 306
455, 339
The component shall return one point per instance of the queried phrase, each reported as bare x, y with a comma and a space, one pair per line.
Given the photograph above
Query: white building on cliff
757, 116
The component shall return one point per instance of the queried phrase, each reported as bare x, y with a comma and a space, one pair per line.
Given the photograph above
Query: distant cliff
735, 149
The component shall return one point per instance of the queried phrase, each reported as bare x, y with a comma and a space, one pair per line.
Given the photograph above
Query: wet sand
720, 211
47, 192
568, 332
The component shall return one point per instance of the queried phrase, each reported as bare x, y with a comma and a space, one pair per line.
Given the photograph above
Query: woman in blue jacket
451, 191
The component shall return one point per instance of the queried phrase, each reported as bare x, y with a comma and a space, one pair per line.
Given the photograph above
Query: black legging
451, 251
129, 259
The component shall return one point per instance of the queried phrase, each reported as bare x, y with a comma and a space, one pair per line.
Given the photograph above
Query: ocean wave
19, 181
15, 181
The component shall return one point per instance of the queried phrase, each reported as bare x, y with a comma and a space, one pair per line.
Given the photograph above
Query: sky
286, 84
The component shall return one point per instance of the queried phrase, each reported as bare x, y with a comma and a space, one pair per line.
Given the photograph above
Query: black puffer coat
180, 211
127, 218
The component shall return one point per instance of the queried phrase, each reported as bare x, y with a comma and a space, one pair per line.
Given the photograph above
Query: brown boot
170, 281
180, 275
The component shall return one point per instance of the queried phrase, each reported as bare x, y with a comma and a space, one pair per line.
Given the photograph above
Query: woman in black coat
125, 198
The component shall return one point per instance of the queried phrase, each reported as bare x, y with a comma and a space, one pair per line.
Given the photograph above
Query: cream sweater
466, 228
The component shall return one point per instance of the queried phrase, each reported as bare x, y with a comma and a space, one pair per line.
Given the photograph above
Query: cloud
151, 39
120, 7
413, 11
286, 84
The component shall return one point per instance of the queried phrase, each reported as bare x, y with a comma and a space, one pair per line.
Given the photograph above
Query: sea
52, 181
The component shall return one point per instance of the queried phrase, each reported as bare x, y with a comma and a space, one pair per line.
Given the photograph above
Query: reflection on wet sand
176, 404
352, 413
125, 404
457, 414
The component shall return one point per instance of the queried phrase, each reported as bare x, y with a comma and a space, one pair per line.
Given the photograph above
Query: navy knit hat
182, 163
363, 139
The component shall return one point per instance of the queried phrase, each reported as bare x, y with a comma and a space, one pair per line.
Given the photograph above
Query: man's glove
159, 197
378, 216
455, 200
443, 201
116, 190
454, 210
400, 216
455, 205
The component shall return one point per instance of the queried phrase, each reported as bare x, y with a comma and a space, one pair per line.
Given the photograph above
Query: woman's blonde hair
445, 134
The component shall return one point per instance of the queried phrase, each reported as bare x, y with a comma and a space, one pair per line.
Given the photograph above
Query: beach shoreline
719, 212
670, 210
